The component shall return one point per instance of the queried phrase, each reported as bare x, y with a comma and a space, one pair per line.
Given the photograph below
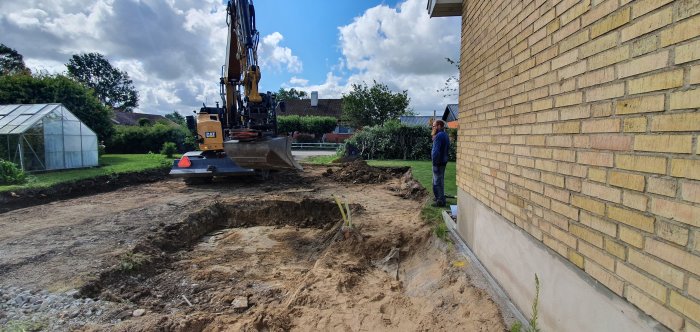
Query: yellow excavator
239, 137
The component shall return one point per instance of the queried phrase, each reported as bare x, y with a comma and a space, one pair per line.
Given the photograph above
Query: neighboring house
132, 119
579, 159
450, 115
320, 107
417, 120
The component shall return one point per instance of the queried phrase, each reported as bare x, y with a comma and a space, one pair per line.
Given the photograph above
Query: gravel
33, 310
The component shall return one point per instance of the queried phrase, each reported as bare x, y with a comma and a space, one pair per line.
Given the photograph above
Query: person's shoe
438, 204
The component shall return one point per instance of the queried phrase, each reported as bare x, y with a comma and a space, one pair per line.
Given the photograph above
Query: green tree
26, 89
451, 86
177, 118
371, 106
290, 94
112, 86
11, 62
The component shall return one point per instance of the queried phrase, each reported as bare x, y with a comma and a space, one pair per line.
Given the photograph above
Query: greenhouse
42, 137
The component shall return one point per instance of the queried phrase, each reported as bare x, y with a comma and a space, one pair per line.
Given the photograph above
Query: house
578, 128
450, 115
132, 119
417, 120
320, 107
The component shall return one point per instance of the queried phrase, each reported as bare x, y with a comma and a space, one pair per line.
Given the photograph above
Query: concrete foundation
570, 300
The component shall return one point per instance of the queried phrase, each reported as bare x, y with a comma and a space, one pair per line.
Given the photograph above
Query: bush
305, 138
132, 139
316, 125
395, 141
169, 149
11, 174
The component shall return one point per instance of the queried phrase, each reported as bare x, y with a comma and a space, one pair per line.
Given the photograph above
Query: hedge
133, 139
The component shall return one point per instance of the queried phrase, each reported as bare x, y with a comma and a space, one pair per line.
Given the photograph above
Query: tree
112, 86
451, 87
370, 106
26, 89
290, 94
317, 125
177, 118
11, 62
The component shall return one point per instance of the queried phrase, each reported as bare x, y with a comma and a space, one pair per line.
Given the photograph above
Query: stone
240, 302
138, 312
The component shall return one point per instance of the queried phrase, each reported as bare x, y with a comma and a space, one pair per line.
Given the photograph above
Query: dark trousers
439, 183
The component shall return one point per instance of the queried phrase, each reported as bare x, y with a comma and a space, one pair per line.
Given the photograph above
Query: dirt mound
359, 171
29, 197
409, 188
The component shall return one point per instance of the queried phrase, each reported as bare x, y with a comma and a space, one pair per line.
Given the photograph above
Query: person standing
439, 155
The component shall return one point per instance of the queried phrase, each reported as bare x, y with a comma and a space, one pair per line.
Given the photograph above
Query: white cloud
298, 81
272, 55
401, 47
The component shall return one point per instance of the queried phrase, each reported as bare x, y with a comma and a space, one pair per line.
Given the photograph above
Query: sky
173, 50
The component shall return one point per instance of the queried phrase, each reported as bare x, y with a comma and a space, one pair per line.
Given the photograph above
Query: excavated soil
241, 255
358, 171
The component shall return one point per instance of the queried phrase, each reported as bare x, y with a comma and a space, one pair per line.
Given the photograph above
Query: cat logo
210, 134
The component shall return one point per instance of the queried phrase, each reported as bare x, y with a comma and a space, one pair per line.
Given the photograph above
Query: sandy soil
241, 255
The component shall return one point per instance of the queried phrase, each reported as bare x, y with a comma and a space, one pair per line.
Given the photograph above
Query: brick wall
579, 123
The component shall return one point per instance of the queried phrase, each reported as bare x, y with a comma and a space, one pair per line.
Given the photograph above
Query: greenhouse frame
42, 137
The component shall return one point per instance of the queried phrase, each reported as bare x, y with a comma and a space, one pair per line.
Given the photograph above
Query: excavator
240, 136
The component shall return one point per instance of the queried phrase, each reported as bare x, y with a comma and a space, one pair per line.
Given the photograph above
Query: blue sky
173, 50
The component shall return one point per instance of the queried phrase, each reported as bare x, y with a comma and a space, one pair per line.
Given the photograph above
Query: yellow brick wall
579, 123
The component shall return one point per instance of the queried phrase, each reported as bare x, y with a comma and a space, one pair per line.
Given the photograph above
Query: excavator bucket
269, 153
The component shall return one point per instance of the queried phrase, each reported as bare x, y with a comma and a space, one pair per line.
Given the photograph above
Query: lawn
109, 164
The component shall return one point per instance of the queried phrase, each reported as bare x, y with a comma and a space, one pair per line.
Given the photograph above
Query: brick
597, 255
564, 155
690, 191
603, 109
647, 24
676, 122
654, 82
573, 41
684, 213
605, 92
598, 45
598, 224
673, 233
694, 75
685, 306
696, 247
573, 184
656, 268
553, 179
565, 59
597, 174
575, 112
654, 309
673, 255
687, 52
569, 127
614, 248
634, 125
599, 11
596, 77
611, 142
588, 204
642, 7
644, 45
694, 287
627, 180
643, 104
685, 168
615, 55
602, 192
575, 11
666, 187
572, 70
641, 163
686, 8
595, 158
564, 209
610, 22
601, 126
649, 286
568, 99
632, 236
635, 201
575, 258
631, 218
606, 278
684, 30
685, 99
643, 64
664, 143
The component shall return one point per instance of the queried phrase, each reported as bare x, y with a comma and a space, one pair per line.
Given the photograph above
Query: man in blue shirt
439, 155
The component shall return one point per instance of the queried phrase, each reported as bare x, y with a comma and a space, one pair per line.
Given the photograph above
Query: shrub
316, 125
169, 149
132, 139
143, 122
304, 138
11, 174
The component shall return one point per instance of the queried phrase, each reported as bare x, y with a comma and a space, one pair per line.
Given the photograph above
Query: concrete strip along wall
578, 157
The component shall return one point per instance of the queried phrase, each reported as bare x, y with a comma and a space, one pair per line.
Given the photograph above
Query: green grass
109, 165
320, 160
